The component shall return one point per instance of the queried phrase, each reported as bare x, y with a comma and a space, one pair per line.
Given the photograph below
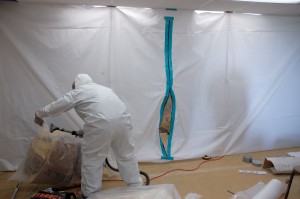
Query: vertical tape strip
169, 90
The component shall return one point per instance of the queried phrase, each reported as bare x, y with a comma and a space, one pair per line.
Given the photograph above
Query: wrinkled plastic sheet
241, 71
53, 159
165, 191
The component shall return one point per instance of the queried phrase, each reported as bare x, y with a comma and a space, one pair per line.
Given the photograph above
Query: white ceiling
209, 5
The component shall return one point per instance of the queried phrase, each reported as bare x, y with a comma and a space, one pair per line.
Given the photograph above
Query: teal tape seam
171, 9
166, 154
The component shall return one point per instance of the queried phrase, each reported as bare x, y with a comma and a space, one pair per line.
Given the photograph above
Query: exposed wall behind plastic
236, 77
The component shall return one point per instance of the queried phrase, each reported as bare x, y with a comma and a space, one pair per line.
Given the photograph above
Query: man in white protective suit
107, 124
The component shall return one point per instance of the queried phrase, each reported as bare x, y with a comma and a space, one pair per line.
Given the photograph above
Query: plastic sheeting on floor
166, 191
235, 76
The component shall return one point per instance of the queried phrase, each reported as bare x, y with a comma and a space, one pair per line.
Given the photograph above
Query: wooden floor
214, 179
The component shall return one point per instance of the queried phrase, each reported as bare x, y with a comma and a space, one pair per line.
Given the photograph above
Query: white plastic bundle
165, 191
53, 159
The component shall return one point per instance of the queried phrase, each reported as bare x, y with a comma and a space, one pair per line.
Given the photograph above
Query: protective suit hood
82, 79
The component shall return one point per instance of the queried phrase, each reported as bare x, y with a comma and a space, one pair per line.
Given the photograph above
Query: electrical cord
211, 159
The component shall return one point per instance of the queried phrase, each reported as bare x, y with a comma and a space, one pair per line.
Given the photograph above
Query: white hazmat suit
107, 124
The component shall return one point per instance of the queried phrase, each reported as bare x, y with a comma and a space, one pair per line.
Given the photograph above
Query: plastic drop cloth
165, 191
53, 158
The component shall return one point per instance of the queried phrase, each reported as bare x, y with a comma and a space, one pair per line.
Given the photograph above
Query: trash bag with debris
53, 159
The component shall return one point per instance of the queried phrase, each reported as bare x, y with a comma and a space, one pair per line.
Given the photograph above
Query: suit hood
82, 79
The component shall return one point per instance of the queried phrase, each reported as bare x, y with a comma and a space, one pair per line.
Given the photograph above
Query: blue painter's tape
170, 18
169, 84
167, 158
171, 9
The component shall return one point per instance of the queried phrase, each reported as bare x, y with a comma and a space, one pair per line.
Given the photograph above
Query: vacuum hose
53, 128
141, 172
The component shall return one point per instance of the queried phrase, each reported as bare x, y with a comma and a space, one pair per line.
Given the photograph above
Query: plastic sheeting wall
236, 77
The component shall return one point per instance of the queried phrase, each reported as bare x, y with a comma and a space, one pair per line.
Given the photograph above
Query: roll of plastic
272, 190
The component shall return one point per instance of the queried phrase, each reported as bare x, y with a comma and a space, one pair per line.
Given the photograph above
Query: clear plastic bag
53, 159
